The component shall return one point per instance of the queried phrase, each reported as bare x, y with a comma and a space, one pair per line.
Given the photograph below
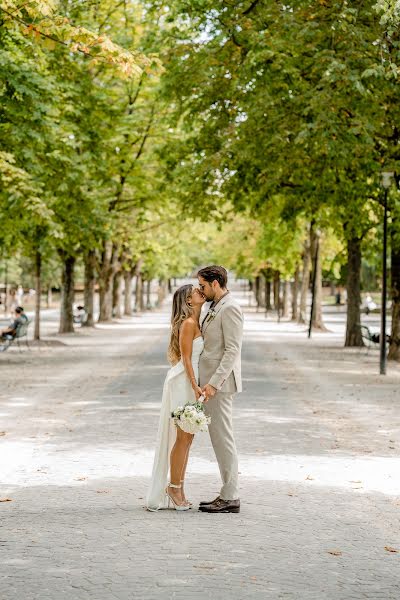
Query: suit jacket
220, 361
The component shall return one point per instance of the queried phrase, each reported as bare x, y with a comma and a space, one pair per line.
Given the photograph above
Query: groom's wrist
215, 382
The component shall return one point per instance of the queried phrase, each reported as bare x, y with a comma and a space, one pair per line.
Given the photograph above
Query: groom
220, 378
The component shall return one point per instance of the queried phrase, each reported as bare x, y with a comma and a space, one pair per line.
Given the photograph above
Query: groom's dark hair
214, 273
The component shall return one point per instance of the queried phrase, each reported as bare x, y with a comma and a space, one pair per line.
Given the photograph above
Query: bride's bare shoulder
188, 324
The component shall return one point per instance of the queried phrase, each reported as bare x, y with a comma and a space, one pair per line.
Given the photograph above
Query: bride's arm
186, 337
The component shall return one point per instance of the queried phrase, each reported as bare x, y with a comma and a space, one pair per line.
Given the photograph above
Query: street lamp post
314, 283
386, 181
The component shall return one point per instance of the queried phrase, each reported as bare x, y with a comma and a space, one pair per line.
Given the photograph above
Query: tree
52, 115
283, 100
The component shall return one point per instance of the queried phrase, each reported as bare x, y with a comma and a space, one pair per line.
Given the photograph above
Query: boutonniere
211, 314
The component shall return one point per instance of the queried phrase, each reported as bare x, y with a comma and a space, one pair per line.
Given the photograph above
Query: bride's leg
178, 460
185, 465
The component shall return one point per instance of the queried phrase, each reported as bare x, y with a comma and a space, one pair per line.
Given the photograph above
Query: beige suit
220, 366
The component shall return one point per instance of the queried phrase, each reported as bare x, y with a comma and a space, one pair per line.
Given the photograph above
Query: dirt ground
318, 434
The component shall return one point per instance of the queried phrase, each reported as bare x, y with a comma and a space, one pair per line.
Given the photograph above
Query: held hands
198, 391
209, 391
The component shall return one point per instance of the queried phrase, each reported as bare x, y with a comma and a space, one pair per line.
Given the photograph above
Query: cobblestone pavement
318, 434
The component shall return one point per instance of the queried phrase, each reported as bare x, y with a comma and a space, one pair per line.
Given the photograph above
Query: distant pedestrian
13, 300
19, 295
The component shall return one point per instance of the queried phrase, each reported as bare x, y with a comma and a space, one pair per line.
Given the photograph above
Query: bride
181, 386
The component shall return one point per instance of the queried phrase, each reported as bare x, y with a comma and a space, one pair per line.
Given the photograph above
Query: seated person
369, 304
80, 315
11, 331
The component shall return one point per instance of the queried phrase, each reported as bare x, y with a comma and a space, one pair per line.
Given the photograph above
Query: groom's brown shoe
221, 506
204, 502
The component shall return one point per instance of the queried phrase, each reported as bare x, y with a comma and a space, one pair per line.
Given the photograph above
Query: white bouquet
191, 418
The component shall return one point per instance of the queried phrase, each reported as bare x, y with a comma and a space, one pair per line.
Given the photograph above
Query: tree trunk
286, 299
161, 292
128, 293
267, 294
315, 243
305, 282
148, 294
108, 267
353, 330
88, 295
117, 295
394, 348
49, 300
257, 290
105, 298
268, 304
38, 289
67, 295
295, 293
276, 288
139, 293
6, 288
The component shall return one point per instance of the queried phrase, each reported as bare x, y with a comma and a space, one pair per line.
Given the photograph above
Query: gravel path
318, 434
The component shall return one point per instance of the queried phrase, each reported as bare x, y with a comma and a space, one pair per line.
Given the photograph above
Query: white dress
177, 391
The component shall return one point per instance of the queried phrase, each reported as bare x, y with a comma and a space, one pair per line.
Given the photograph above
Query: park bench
21, 332
372, 339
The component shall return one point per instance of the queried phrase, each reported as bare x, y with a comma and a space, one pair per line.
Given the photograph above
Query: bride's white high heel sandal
170, 498
187, 501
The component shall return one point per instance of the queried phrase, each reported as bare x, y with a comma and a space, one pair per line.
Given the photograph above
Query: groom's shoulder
232, 304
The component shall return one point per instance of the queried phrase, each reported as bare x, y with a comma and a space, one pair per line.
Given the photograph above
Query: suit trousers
219, 408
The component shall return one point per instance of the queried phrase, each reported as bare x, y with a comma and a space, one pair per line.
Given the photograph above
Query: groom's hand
209, 391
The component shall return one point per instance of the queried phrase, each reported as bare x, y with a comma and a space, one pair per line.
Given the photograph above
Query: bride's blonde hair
181, 310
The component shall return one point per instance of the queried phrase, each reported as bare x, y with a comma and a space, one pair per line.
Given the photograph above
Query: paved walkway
318, 434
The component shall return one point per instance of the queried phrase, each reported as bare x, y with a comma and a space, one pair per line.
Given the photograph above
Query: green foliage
389, 10
40, 21
267, 116
288, 111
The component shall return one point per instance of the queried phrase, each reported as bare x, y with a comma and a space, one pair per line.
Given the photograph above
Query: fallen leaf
123, 391
335, 552
355, 481
2, 432
80, 478
5, 500
309, 478
390, 549
253, 578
